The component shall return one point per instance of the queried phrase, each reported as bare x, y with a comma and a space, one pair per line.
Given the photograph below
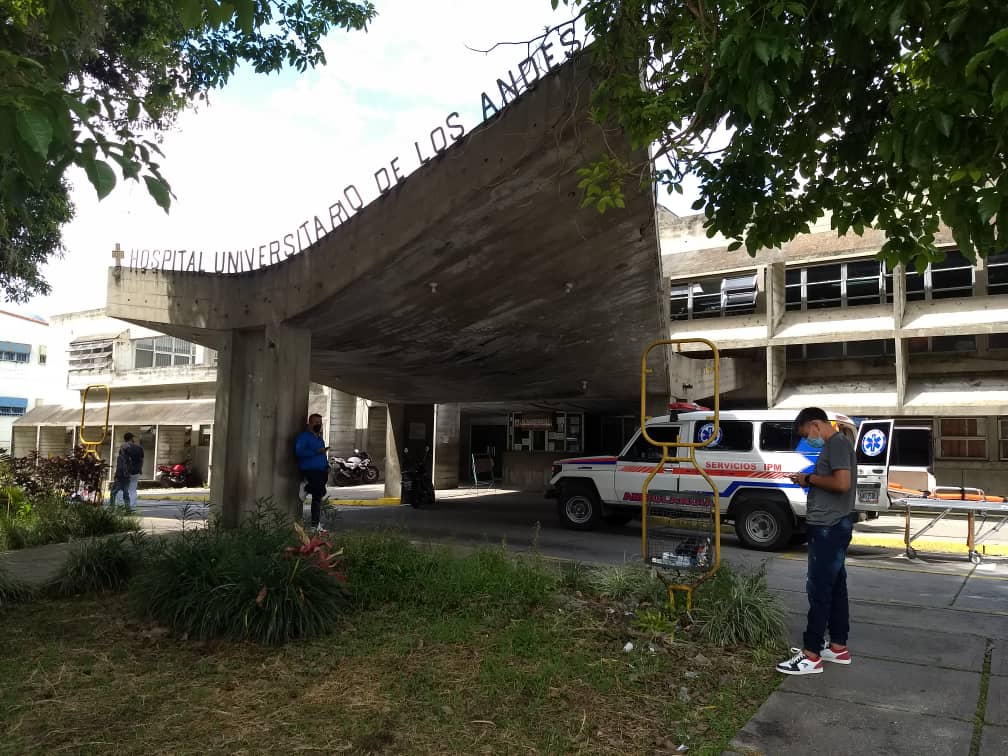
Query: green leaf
101, 176
734, 246
158, 189
944, 121
35, 129
989, 206
133, 109
1000, 85
976, 61
764, 97
896, 19
245, 13
999, 39
191, 13
762, 51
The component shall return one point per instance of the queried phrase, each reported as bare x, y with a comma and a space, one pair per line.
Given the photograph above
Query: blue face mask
816, 443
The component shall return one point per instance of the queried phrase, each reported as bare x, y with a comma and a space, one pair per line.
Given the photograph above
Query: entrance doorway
489, 439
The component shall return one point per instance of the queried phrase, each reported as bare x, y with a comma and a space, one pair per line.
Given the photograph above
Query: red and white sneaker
799, 664
836, 657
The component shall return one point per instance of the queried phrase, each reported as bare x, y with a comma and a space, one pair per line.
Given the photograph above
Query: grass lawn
84, 676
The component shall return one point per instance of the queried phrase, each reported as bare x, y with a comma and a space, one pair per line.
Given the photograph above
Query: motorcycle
353, 470
417, 483
179, 476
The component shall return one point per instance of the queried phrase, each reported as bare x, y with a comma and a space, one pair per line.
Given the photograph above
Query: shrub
54, 520
435, 582
43, 477
261, 583
628, 581
96, 566
575, 577
739, 609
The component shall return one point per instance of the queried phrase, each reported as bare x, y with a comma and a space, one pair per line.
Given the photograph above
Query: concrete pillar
776, 373
776, 297
899, 297
262, 404
395, 437
902, 373
447, 427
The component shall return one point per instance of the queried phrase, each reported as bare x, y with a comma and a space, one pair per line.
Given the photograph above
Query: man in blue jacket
313, 462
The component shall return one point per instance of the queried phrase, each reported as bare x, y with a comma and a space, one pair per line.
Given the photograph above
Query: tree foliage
93, 84
887, 114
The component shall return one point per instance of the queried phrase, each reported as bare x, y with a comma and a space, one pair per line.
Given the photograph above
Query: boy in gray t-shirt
831, 486
827, 507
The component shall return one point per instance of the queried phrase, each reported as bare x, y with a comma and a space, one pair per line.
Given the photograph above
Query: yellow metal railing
667, 458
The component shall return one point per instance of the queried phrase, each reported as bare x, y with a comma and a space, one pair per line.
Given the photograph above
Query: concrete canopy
478, 278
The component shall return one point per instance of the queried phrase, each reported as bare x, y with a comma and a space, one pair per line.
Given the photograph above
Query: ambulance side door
874, 444
639, 459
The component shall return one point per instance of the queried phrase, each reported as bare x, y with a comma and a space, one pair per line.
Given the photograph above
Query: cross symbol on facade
117, 255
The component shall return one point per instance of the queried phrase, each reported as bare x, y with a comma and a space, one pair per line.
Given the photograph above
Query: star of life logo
706, 431
873, 442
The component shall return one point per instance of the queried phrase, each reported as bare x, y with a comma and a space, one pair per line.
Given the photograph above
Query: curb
928, 545
201, 498
384, 502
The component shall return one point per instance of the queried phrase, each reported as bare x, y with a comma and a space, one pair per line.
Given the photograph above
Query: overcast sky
269, 152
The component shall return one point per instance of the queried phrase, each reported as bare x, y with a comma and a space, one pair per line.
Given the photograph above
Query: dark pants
827, 584
315, 484
120, 486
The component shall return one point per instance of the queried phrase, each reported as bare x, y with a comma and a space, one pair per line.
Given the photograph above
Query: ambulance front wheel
763, 525
579, 507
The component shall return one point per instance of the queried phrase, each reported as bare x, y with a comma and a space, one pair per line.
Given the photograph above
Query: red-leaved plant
318, 552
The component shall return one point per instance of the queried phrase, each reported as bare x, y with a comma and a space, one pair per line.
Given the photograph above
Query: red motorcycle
179, 476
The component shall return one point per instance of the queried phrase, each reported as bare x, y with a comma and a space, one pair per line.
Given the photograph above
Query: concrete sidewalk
926, 640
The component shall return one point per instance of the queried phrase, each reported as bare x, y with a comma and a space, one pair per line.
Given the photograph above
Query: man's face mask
317, 427
815, 441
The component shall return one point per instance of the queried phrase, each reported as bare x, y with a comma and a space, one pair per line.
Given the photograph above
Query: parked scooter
353, 470
179, 476
417, 481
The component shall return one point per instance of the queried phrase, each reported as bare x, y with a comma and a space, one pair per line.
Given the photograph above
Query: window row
163, 351
958, 438
966, 438
713, 297
832, 285
12, 351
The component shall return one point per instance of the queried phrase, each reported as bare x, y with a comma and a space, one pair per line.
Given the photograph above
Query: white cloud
269, 152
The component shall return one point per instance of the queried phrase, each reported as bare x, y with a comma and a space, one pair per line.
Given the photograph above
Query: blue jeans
827, 584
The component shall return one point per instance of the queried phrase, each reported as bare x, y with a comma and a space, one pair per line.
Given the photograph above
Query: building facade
824, 322
27, 376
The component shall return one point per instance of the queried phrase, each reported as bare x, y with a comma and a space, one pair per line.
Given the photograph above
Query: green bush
54, 520
96, 566
735, 609
434, 582
258, 583
628, 581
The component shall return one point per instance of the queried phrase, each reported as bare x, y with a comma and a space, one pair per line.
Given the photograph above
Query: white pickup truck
750, 460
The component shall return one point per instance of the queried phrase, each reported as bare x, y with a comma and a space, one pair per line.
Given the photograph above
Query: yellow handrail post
92, 445
678, 585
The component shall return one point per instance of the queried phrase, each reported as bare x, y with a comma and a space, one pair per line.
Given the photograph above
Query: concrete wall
529, 472
374, 442
447, 426
343, 437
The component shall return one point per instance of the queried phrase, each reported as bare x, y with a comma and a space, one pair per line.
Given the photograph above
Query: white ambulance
750, 460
